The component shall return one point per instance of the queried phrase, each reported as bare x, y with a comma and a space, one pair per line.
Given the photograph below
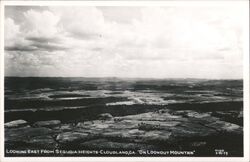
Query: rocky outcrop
26, 134
71, 137
16, 123
235, 117
162, 129
45, 142
105, 116
48, 124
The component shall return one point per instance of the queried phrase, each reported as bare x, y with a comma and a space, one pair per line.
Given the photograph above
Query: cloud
12, 34
81, 22
182, 41
19, 48
11, 29
35, 47
38, 32
49, 46
123, 14
41, 24
44, 39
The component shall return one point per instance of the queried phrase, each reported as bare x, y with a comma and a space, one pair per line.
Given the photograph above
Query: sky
120, 41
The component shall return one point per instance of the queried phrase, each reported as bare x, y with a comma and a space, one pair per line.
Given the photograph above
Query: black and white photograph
101, 80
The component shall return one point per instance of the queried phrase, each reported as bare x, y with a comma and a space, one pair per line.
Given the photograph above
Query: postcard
124, 81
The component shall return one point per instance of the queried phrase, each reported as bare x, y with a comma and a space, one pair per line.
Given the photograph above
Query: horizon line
147, 78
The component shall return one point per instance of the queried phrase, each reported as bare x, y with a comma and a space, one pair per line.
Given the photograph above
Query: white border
245, 8
240, 3
1, 81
